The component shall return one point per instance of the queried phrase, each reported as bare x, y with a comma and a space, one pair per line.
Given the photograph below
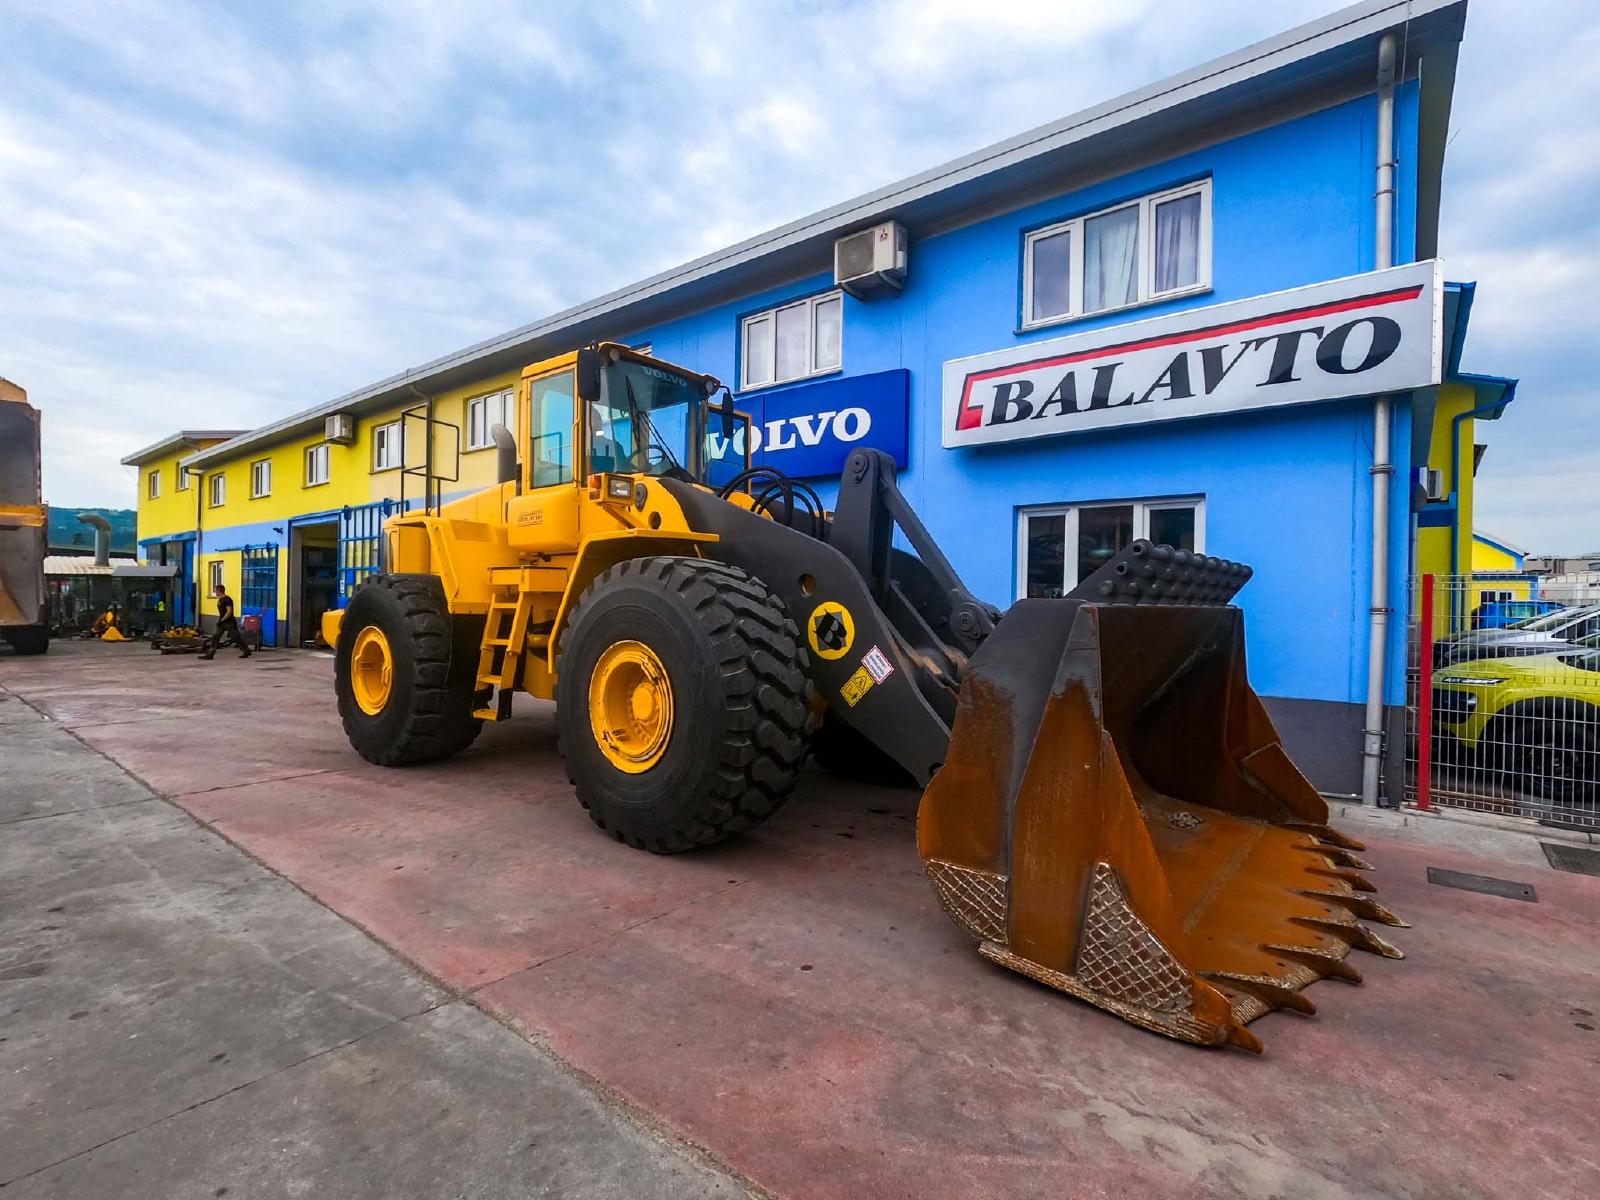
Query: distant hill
69, 533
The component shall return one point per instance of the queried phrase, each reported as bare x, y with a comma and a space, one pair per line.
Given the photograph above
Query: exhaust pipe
102, 537
505, 445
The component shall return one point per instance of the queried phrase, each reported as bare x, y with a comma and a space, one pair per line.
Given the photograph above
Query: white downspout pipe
1382, 468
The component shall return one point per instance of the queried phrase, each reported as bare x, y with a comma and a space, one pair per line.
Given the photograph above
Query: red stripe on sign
969, 416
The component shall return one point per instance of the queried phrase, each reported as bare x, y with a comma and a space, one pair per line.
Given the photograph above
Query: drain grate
1487, 884
1580, 860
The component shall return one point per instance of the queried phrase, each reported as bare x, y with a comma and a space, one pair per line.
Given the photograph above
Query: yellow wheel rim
371, 670
630, 706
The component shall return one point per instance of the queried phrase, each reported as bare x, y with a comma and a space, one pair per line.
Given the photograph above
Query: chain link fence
1503, 701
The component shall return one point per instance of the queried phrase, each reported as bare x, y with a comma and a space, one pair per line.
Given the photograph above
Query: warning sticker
857, 686
877, 664
831, 630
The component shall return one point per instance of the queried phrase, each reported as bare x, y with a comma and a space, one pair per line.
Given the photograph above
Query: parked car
1533, 721
1545, 634
1498, 614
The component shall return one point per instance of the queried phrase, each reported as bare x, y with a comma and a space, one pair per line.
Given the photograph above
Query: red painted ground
797, 1003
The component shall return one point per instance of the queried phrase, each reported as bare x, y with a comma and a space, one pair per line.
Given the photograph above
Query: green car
1533, 721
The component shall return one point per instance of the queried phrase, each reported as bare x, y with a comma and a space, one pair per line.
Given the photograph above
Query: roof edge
174, 441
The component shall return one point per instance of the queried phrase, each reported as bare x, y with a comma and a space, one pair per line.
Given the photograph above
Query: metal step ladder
505, 640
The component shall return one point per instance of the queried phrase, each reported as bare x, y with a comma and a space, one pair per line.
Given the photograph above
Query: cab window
550, 429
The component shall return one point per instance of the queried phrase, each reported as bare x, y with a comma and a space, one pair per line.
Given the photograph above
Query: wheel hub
371, 670
630, 706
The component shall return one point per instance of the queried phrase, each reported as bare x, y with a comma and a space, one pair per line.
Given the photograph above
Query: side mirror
589, 375
727, 416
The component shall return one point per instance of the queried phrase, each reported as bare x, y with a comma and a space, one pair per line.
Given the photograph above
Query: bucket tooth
1343, 858
1357, 934
1362, 906
1338, 857
1326, 833
1330, 964
1241, 1037
1271, 991
1354, 878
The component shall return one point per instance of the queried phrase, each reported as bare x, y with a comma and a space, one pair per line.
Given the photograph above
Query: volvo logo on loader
831, 630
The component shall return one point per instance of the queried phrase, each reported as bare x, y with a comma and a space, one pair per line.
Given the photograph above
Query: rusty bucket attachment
1117, 819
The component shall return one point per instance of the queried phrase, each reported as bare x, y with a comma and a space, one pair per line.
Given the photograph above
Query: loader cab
609, 409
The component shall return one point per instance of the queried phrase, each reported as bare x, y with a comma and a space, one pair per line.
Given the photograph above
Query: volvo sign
809, 431
1358, 336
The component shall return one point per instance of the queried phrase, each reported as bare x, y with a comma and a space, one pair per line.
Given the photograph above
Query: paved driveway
796, 1004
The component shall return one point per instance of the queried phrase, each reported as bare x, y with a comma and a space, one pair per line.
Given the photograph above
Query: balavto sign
1358, 336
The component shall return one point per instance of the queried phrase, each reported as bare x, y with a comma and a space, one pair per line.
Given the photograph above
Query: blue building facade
1250, 176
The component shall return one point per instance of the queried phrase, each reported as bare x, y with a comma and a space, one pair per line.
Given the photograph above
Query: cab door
544, 519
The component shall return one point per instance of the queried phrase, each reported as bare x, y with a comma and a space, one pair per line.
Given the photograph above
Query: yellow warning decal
857, 686
831, 630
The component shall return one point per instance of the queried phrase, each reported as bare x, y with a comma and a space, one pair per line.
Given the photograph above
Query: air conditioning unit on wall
871, 261
1431, 483
341, 428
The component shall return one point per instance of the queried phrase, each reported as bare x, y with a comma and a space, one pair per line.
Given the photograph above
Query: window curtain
1177, 243
1111, 260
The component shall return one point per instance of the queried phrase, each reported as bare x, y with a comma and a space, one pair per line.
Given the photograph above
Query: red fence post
1425, 695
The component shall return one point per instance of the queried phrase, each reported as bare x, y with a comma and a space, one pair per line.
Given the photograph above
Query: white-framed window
183, 478
485, 412
218, 490
1134, 253
1061, 545
153, 487
260, 478
216, 575
317, 464
387, 446
792, 341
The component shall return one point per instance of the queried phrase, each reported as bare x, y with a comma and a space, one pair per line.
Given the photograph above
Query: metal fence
1503, 701
361, 544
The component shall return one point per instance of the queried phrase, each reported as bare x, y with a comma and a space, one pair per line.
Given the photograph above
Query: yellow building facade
1463, 563
287, 524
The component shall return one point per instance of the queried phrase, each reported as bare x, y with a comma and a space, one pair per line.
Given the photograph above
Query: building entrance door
313, 577
258, 588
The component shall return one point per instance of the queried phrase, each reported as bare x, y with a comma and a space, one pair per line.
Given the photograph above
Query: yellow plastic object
371, 670
112, 634
631, 706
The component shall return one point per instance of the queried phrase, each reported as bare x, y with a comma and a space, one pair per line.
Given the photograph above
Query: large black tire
28, 639
840, 750
737, 672
428, 715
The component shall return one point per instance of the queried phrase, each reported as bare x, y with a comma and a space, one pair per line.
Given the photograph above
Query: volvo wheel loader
1107, 807
23, 520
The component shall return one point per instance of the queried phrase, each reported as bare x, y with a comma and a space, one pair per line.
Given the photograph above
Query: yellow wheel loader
1107, 807
23, 518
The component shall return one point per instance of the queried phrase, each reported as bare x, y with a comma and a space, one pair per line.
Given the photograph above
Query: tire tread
763, 670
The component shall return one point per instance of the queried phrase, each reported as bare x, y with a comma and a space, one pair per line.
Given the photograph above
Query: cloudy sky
212, 215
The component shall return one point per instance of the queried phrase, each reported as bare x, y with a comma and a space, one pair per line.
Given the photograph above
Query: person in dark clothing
227, 625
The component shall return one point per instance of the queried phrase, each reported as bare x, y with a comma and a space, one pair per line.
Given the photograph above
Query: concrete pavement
795, 1002
179, 1021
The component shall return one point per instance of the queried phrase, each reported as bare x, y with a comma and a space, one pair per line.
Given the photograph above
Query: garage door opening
313, 578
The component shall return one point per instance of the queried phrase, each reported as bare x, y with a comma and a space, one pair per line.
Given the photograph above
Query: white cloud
221, 215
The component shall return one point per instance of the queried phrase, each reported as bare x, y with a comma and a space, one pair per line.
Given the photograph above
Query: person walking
227, 624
